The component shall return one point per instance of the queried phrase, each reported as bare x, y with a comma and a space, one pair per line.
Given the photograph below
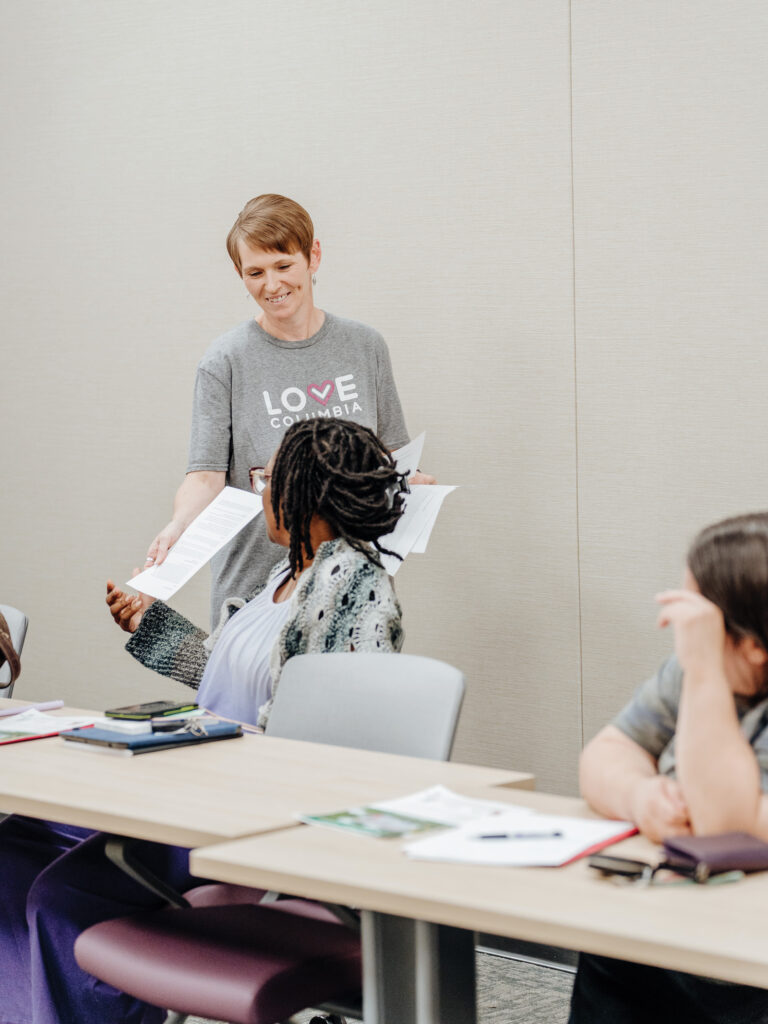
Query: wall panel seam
580, 675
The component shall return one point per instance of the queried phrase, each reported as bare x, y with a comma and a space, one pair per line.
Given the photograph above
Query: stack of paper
478, 831
520, 837
442, 805
422, 506
34, 725
436, 807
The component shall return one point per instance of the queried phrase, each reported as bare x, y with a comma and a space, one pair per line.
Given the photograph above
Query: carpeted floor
517, 992
509, 992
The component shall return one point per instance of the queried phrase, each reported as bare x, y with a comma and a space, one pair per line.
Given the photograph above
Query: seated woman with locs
330, 491
689, 755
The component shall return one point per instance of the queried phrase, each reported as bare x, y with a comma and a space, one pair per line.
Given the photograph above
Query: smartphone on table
152, 709
625, 866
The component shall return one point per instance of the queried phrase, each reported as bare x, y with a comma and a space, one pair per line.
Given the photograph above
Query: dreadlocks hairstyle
341, 472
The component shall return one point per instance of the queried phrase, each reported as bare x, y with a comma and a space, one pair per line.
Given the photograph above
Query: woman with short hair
293, 362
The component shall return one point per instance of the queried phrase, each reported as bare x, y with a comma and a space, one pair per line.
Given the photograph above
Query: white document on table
521, 838
33, 724
444, 806
224, 518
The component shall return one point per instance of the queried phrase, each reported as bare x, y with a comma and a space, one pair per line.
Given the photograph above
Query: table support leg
389, 968
445, 975
415, 972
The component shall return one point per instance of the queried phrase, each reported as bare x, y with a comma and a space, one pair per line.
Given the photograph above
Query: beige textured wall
574, 316
670, 151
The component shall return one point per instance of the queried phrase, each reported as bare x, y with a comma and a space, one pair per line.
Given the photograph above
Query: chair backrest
395, 703
17, 624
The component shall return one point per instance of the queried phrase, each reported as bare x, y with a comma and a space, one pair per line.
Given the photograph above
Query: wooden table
204, 794
215, 791
419, 917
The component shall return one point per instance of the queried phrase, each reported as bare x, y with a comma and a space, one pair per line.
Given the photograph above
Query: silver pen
522, 835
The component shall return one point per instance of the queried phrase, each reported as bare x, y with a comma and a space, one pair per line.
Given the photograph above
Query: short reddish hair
274, 223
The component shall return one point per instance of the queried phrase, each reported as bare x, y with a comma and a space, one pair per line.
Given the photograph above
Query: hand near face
421, 478
659, 808
125, 610
698, 625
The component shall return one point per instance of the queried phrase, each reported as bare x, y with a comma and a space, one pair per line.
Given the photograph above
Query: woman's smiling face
280, 282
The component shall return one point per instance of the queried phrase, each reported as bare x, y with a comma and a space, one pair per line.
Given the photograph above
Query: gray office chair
228, 956
394, 703
17, 624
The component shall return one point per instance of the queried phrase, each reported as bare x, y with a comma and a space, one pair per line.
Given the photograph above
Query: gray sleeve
210, 445
170, 644
650, 718
760, 750
754, 726
390, 425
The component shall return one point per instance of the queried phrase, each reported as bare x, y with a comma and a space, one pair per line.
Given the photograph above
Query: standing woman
291, 362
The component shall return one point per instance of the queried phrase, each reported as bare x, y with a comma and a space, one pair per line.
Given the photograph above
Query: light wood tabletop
706, 929
214, 791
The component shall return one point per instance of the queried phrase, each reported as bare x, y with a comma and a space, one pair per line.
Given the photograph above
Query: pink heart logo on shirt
321, 392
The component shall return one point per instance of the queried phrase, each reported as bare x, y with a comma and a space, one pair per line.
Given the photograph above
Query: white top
237, 679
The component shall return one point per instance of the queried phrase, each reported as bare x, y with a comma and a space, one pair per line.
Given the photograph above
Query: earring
314, 279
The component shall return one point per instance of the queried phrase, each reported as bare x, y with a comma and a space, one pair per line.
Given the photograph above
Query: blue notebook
144, 743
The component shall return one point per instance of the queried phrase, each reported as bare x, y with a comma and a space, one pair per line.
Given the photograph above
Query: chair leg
119, 850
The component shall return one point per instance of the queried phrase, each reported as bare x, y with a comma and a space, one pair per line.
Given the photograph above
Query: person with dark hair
291, 363
337, 471
331, 492
689, 755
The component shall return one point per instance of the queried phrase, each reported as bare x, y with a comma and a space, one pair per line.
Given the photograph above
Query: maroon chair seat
244, 963
217, 894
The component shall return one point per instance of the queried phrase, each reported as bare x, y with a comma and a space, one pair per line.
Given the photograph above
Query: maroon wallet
710, 855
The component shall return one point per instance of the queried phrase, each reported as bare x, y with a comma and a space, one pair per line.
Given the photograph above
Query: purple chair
244, 963
224, 952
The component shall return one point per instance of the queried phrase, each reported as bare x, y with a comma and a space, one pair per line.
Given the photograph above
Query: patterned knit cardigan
341, 603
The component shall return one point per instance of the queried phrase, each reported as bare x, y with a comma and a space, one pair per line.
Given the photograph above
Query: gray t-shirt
251, 387
650, 719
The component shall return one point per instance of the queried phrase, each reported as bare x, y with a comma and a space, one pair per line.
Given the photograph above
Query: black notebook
144, 743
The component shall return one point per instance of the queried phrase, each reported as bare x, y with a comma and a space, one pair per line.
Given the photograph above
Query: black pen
522, 835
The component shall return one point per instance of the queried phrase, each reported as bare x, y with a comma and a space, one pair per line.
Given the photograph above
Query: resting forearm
610, 768
716, 766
